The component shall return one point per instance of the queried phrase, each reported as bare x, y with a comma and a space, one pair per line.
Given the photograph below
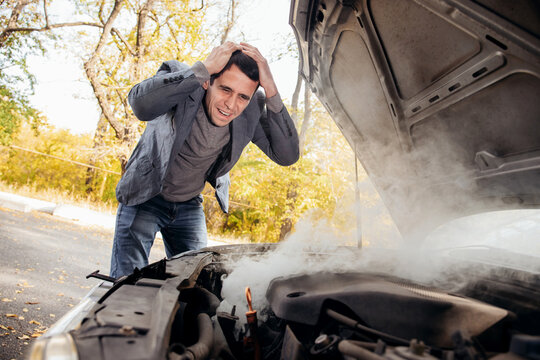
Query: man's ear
205, 84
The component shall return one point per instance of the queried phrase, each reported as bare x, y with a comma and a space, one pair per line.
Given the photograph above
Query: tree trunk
292, 189
287, 223
307, 118
231, 20
97, 147
294, 101
141, 41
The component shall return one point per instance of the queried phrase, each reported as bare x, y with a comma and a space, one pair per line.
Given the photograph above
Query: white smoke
440, 261
303, 252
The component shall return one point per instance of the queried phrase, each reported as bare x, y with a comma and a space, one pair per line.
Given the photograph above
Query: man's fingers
252, 55
251, 50
228, 48
248, 46
219, 56
232, 47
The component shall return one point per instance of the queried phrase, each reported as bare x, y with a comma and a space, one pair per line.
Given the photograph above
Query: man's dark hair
244, 62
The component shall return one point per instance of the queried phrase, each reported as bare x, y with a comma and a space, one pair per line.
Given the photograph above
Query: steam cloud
439, 262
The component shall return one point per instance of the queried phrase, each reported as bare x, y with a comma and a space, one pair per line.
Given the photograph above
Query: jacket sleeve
275, 133
157, 95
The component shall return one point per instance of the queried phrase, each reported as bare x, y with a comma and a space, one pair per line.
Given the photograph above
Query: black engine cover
385, 304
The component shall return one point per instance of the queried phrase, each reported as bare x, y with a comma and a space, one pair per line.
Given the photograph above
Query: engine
176, 309
344, 316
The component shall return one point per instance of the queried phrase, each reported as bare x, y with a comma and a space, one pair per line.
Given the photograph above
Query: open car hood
440, 99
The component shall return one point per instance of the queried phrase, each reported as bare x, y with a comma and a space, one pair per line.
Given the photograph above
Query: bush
54, 159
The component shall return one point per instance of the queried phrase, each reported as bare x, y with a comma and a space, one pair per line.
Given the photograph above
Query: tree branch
45, 12
200, 8
176, 43
53, 26
13, 20
231, 18
123, 40
91, 72
12, 23
100, 11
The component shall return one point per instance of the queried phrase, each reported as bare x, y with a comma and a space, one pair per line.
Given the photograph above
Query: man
200, 118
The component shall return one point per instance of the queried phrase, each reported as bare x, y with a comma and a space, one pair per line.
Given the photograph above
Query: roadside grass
63, 197
58, 197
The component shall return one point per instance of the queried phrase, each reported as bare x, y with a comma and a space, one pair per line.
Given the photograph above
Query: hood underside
438, 98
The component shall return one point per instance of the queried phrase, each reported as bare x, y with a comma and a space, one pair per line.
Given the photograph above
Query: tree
25, 28
16, 82
135, 38
306, 120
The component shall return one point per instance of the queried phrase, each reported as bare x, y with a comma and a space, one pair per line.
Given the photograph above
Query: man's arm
155, 96
275, 134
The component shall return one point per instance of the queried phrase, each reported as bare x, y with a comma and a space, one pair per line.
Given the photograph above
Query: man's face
228, 96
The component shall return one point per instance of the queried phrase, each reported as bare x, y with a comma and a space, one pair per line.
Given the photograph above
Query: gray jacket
169, 101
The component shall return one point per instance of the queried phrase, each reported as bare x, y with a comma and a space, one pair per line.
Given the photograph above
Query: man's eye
244, 98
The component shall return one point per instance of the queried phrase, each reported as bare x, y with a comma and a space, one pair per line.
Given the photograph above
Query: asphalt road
43, 264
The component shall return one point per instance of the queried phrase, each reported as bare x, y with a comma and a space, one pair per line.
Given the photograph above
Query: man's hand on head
219, 57
265, 75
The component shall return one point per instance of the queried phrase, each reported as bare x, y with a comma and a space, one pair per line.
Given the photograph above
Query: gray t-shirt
187, 175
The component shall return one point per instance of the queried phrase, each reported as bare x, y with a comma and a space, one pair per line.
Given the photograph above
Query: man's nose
230, 101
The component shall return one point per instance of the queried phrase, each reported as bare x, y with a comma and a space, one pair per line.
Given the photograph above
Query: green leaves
13, 111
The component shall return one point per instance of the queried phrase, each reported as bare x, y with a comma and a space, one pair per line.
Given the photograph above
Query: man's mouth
224, 113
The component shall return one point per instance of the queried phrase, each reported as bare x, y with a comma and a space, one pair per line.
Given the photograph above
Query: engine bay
174, 309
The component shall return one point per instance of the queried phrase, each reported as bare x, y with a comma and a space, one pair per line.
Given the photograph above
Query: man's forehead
234, 79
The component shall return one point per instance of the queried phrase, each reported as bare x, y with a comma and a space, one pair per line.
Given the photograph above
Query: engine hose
348, 348
356, 325
201, 349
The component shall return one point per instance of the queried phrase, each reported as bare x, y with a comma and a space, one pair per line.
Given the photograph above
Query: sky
66, 98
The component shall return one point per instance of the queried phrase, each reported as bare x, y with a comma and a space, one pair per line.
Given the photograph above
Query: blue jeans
182, 225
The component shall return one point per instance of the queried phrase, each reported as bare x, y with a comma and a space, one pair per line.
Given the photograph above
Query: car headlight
57, 347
